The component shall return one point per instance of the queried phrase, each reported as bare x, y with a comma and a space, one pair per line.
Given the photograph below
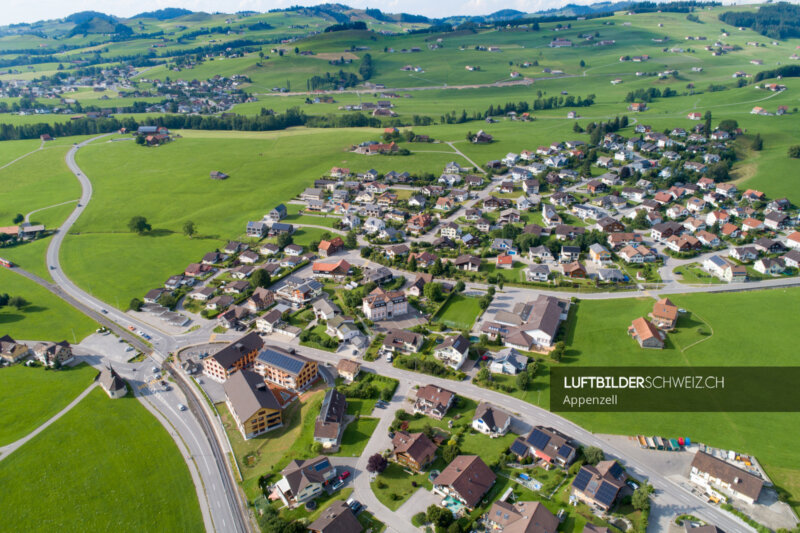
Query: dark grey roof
247, 393
238, 349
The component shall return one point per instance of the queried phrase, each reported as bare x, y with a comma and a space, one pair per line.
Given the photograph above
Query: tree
460, 286
794, 151
433, 292
138, 224
189, 228
583, 63
4, 299
641, 498
558, 351
523, 381
376, 463
284, 240
17, 302
19, 218
758, 143
350, 240
439, 516
624, 173
707, 129
316, 447
728, 125
483, 375
135, 305
593, 455
140, 139
450, 452
260, 278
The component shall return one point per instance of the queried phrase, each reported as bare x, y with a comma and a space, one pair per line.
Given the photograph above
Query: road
227, 509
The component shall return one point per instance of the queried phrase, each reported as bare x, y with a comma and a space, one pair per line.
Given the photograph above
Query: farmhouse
646, 334
665, 314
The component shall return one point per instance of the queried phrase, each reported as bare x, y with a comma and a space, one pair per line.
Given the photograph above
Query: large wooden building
235, 356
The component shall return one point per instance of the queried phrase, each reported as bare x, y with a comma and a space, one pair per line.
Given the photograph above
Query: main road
202, 435
223, 499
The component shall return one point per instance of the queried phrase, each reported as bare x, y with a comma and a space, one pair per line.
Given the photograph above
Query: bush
419, 519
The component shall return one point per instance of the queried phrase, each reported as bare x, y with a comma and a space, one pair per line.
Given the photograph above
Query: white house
491, 421
453, 351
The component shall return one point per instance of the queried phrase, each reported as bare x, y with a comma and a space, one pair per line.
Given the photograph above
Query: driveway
418, 503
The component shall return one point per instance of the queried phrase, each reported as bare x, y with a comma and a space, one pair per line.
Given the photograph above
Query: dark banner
674, 389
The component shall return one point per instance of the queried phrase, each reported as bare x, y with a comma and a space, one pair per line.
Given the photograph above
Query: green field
119, 467
459, 312
31, 396
356, 435
599, 338
46, 317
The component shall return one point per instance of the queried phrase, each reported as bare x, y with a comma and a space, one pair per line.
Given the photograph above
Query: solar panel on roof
582, 479
518, 447
615, 470
564, 451
606, 493
538, 440
322, 465
282, 361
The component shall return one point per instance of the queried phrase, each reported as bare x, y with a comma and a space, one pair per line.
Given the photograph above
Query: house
637, 254
343, 328
467, 478
444, 204
329, 425
612, 275
541, 252
508, 361
768, 246
277, 214
744, 254
202, 293
260, 299
383, 305
768, 265
730, 230
110, 382
776, 220
235, 356
153, 295
331, 269
664, 230
547, 444
413, 450
348, 370
491, 420
706, 238
599, 486
304, 480
646, 334
328, 248
793, 240
269, 322
324, 309
402, 340
683, 243
451, 230
453, 351
717, 475
599, 254
728, 190
53, 353
374, 225
256, 229
253, 405
433, 401
664, 314
792, 259
752, 224
285, 369
521, 517
573, 270
336, 518
467, 262
540, 273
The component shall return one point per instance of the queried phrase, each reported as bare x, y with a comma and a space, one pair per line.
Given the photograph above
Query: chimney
736, 480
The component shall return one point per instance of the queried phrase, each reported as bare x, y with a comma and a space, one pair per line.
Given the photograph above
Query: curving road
228, 511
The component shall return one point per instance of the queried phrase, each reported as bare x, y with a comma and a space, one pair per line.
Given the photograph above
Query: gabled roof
238, 349
290, 363
493, 417
416, 445
469, 476
248, 393
741, 481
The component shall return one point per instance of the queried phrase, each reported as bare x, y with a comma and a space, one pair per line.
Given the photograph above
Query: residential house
348, 370
646, 333
522, 517
253, 405
547, 444
383, 305
328, 248
433, 401
401, 340
413, 450
329, 425
717, 475
234, 357
491, 420
573, 270
331, 269
291, 371
599, 486
540, 273
771, 266
305, 480
336, 518
466, 479
467, 262
453, 351
508, 361
599, 254
260, 299
52, 353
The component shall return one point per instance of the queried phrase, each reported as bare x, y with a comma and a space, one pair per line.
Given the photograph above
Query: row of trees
17, 302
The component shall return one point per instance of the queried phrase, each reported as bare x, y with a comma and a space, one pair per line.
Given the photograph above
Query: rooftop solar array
285, 362
582, 479
538, 440
606, 493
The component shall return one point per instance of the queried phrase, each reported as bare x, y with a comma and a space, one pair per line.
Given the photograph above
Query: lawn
356, 435
46, 317
30, 256
272, 451
459, 312
120, 468
394, 485
692, 273
29, 396
599, 338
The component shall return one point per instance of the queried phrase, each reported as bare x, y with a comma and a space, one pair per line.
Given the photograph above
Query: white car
181, 407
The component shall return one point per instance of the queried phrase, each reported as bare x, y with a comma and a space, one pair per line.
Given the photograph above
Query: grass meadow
32, 395
113, 462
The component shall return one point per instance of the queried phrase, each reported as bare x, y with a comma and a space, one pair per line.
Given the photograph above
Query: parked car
354, 505
338, 485
344, 475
